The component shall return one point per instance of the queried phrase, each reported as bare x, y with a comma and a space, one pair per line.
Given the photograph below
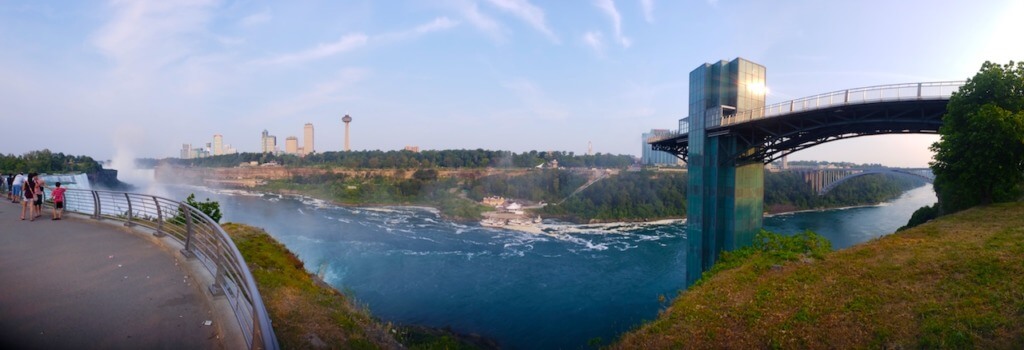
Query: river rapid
563, 289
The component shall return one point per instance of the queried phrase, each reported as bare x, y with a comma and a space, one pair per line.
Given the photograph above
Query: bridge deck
79, 283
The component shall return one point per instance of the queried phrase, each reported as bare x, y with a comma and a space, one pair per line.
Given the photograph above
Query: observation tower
347, 120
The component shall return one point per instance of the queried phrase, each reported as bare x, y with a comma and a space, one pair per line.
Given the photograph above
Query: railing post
217, 288
130, 212
159, 219
846, 97
918, 91
189, 230
96, 206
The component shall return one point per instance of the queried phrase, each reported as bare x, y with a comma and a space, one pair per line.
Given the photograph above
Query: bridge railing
202, 239
871, 94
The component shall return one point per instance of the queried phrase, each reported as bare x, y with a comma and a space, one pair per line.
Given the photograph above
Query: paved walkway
78, 283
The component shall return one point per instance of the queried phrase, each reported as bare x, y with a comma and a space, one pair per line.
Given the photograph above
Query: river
558, 290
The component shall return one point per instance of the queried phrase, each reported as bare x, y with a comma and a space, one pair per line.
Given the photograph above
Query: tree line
45, 161
477, 158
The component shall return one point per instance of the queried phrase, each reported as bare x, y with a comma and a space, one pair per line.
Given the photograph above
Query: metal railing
881, 93
202, 238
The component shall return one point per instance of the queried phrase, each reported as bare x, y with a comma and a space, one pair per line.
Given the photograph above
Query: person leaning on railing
57, 195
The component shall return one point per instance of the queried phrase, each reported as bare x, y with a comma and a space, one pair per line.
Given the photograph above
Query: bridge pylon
726, 193
730, 133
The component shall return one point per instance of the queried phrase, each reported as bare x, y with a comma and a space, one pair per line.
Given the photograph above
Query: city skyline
512, 75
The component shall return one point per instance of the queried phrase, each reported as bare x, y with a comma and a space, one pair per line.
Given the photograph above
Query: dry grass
956, 282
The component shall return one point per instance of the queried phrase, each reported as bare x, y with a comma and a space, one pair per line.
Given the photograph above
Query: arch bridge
726, 147
823, 181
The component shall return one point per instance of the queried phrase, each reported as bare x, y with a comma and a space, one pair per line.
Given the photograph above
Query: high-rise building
291, 145
218, 145
186, 151
268, 142
648, 156
414, 149
307, 139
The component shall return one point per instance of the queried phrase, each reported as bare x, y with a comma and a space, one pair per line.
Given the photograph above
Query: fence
202, 238
941, 90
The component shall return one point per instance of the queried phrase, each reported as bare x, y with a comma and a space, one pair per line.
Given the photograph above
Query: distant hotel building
651, 157
268, 143
189, 152
307, 140
415, 149
291, 145
218, 145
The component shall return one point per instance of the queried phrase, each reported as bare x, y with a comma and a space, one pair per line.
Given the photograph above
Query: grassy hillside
309, 314
956, 282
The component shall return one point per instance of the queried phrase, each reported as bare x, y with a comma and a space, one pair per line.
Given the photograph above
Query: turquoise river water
560, 290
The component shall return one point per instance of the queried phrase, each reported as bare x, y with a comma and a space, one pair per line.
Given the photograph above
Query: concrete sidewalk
79, 283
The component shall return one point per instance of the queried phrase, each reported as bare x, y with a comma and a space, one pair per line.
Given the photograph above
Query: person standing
39, 191
10, 188
58, 201
27, 198
16, 185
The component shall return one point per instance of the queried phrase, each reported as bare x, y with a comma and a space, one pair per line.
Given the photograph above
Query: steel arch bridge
783, 128
824, 181
731, 146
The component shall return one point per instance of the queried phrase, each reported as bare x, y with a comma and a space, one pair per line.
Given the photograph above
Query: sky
140, 78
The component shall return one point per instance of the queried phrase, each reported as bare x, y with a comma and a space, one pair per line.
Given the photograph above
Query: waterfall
76, 181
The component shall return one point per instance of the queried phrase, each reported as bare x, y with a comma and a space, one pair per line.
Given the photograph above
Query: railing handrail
219, 252
920, 91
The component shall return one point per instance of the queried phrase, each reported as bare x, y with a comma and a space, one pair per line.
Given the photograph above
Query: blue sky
140, 78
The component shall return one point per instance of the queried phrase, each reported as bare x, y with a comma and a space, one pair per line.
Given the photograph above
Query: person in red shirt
58, 201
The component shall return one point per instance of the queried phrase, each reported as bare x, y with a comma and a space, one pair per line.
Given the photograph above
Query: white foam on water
309, 239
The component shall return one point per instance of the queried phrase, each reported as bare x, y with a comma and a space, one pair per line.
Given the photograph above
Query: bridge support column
725, 205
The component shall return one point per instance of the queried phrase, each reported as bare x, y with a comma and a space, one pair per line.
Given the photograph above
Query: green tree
209, 207
979, 158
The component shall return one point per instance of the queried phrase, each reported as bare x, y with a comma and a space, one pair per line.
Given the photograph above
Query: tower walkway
82, 283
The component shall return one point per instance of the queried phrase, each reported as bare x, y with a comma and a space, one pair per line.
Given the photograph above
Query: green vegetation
549, 185
955, 282
425, 187
629, 196
48, 162
980, 156
770, 250
787, 191
646, 195
414, 160
209, 207
307, 313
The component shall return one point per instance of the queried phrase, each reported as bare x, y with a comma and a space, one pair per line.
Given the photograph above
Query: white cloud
323, 50
256, 18
595, 40
529, 13
144, 36
440, 23
478, 19
608, 6
648, 7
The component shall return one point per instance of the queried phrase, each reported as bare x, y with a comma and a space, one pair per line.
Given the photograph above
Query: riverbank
309, 313
954, 282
